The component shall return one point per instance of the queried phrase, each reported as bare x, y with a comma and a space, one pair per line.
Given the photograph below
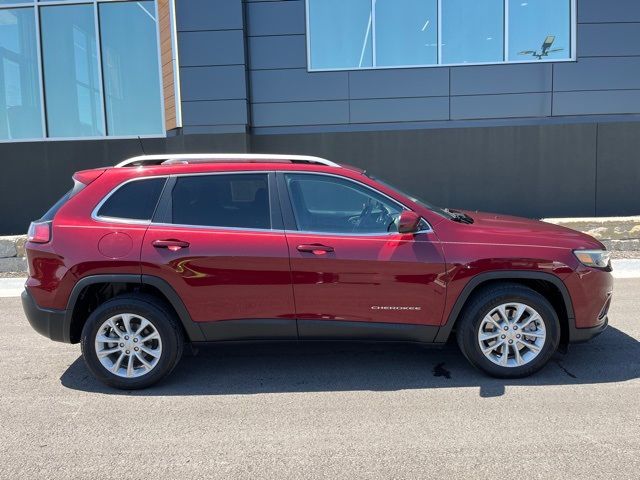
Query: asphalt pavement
324, 411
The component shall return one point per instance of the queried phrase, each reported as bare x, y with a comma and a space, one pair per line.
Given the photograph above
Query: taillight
39, 232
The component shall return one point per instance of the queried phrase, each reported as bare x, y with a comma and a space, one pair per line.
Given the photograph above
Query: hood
509, 230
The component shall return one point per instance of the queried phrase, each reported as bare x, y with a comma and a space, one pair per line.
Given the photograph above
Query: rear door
353, 275
218, 240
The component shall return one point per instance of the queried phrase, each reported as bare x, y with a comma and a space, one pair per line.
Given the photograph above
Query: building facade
528, 107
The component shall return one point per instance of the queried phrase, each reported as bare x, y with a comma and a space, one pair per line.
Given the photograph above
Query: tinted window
134, 200
71, 74
340, 33
19, 88
240, 201
333, 205
130, 67
406, 32
534, 34
472, 31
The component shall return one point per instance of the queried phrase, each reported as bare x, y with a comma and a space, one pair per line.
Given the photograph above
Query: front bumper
47, 322
581, 335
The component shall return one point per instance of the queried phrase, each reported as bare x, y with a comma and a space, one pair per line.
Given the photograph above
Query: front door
354, 276
219, 242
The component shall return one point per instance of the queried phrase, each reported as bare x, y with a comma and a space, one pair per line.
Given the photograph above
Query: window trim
283, 184
166, 199
573, 18
132, 221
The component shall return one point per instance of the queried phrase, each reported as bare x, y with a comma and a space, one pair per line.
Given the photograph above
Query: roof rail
173, 159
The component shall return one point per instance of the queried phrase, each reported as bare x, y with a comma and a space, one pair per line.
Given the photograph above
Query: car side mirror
408, 222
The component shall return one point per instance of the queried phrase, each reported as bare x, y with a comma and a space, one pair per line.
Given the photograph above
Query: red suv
161, 250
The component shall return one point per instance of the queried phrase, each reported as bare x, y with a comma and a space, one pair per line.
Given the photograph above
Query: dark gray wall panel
276, 18
409, 82
298, 85
399, 109
609, 39
213, 83
597, 74
300, 113
590, 11
287, 51
501, 79
501, 106
596, 102
221, 112
211, 48
531, 171
199, 14
618, 169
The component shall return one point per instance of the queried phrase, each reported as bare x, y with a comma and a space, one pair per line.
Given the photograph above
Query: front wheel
509, 331
131, 342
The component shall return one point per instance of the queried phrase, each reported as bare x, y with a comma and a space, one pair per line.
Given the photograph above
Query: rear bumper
580, 335
47, 322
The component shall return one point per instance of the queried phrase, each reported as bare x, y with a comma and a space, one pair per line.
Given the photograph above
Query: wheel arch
547, 284
90, 291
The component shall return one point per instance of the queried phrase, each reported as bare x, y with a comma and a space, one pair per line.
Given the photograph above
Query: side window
227, 200
135, 200
333, 205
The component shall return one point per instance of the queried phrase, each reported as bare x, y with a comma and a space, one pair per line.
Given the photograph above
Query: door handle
315, 248
173, 245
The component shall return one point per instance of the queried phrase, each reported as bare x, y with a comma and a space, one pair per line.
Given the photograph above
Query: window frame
36, 5
291, 224
573, 18
163, 214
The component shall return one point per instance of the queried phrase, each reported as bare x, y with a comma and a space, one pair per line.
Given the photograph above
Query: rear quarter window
135, 200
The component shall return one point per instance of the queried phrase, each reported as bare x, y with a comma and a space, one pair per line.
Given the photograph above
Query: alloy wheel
512, 335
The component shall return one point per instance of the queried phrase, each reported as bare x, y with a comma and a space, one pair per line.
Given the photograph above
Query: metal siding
596, 102
501, 106
221, 112
199, 15
211, 48
213, 83
603, 73
287, 51
603, 11
298, 85
276, 18
501, 79
399, 109
618, 169
609, 39
300, 113
411, 82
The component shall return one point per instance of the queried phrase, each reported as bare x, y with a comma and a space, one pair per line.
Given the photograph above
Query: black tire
486, 300
158, 314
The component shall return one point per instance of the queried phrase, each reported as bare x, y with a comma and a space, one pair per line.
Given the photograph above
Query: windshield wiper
460, 217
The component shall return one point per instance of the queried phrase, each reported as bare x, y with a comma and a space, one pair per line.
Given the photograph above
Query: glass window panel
239, 201
130, 66
134, 200
472, 31
71, 74
539, 29
340, 33
406, 32
334, 205
20, 103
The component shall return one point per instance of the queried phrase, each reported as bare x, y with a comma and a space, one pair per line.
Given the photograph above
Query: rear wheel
131, 342
508, 331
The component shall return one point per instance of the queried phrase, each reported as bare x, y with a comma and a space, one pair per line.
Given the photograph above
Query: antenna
141, 145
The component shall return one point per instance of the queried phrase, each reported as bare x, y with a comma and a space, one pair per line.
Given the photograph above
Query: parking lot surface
324, 411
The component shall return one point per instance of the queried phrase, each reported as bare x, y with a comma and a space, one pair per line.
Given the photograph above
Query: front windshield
413, 198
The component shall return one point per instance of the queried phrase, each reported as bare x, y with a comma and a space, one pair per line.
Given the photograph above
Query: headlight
593, 258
